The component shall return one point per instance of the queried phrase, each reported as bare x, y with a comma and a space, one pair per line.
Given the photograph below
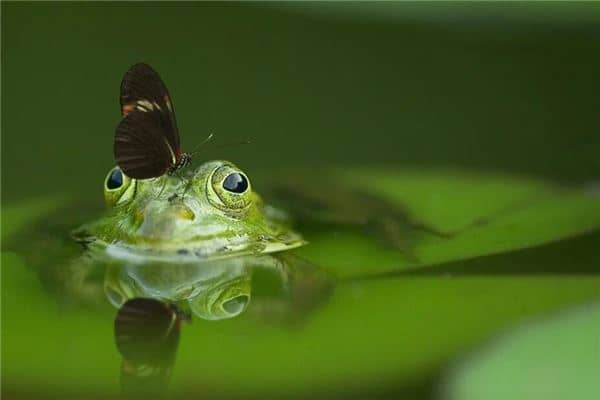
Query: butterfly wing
143, 89
141, 149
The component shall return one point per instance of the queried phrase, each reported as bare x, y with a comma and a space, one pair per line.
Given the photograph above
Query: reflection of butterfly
147, 336
147, 141
147, 330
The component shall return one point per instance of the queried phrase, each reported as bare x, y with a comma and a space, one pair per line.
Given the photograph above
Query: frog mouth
202, 249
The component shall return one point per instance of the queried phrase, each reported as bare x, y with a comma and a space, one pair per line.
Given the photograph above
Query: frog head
211, 212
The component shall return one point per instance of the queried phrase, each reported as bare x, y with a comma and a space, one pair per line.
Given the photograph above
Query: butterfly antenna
245, 141
197, 148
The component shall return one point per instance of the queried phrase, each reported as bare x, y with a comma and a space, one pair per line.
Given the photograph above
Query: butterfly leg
187, 183
162, 189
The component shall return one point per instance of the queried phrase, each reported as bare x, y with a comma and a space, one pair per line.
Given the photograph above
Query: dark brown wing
147, 336
145, 329
142, 88
141, 148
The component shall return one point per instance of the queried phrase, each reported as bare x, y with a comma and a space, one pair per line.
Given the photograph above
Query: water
499, 93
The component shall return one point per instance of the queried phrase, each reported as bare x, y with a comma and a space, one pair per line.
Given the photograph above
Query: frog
209, 214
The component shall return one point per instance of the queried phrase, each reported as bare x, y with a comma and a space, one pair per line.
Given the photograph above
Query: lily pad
482, 214
557, 358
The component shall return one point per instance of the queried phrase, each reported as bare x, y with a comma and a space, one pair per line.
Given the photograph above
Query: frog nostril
236, 305
184, 212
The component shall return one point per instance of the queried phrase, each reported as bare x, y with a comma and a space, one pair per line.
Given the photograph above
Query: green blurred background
484, 87
509, 87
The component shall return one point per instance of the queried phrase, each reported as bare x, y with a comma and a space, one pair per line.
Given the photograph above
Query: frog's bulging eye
115, 179
118, 187
229, 189
224, 300
236, 305
235, 183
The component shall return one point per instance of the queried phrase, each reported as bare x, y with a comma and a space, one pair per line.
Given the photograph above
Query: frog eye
236, 305
225, 300
231, 189
236, 183
118, 187
114, 179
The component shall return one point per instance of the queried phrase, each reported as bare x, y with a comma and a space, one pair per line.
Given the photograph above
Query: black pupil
236, 183
115, 180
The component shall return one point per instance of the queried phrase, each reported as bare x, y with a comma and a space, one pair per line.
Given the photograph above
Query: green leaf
487, 214
558, 358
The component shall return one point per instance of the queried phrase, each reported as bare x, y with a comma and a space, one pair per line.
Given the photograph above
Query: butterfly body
183, 160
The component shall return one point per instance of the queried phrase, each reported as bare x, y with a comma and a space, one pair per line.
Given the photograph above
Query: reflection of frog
218, 289
212, 290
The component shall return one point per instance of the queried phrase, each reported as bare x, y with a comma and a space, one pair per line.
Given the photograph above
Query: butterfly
147, 141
